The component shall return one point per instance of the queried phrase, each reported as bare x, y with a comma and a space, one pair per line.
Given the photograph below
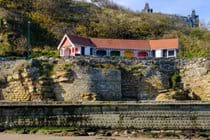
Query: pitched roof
121, 44
125, 44
164, 44
80, 40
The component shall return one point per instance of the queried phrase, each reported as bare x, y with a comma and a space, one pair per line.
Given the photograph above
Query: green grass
46, 53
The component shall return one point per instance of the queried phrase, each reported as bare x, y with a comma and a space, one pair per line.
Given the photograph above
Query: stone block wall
160, 116
103, 84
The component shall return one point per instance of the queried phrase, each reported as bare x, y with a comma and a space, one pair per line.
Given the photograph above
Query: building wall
66, 43
64, 51
87, 50
123, 53
158, 53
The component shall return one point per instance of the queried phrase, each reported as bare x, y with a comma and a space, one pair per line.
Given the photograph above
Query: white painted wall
61, 52
149, 53
108, 51
79, 50
87, 50
175, 53
158, 54
136, 53
122, 53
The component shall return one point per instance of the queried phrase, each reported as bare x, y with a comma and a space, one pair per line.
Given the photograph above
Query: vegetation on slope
51, 19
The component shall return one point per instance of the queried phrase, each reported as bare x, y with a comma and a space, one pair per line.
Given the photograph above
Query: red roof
164, 43
121, 44
125, 44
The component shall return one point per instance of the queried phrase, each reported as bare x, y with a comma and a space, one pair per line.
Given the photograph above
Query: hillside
51, 19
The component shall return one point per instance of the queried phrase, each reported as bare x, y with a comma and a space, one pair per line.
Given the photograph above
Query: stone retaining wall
78, 79
168, 116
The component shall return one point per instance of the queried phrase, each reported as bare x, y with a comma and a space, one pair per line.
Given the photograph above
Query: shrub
175, 80
45, 52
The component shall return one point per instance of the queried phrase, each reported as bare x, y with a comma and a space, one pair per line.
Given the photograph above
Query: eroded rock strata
88, 79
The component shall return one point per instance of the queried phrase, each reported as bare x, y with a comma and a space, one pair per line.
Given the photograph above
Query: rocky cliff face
88, 79
196, 77
58, 80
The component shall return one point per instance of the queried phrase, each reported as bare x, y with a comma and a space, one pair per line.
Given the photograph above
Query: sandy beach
4, 136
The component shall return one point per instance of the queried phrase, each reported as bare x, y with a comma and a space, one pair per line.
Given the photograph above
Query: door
129, 53
82, 50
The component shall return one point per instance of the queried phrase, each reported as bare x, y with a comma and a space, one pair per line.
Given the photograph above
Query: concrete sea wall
140, 115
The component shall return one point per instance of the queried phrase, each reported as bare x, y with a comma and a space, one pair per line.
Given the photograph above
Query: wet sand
4, 136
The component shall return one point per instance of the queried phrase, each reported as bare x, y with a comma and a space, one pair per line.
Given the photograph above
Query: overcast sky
179, 7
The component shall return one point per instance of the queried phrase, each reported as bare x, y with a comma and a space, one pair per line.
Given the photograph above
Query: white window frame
171, 55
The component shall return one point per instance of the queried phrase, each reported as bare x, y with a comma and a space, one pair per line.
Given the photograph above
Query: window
153, 53
101, 53
91, 51
164, 53
73, 50
171, 53
128, 53
82, 50
77, 49
115, 53
142, 54
69, 51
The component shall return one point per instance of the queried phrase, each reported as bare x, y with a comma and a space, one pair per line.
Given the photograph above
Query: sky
179, 7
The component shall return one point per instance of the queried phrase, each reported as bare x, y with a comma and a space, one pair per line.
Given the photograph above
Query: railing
143, 102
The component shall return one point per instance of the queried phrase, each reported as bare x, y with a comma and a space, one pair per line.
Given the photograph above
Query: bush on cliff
2, 81
177, 95
50, 19
175, 80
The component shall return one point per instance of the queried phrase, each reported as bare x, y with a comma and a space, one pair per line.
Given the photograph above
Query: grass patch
204, 133
45, 52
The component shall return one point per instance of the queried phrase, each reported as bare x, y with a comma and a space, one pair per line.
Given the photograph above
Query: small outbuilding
72, 45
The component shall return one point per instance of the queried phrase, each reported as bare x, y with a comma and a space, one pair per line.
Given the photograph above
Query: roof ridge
78, 36
163, 39
120, 39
